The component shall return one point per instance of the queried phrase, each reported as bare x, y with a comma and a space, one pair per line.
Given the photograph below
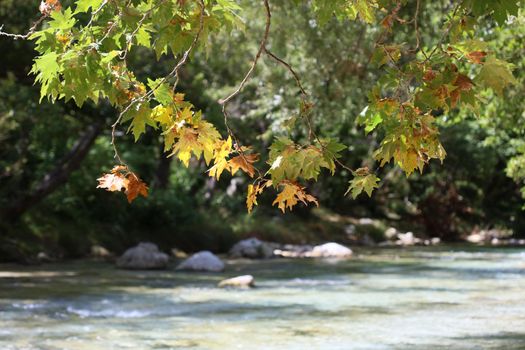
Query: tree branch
56, 177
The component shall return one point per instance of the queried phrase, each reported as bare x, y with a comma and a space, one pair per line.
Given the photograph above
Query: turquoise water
446, 298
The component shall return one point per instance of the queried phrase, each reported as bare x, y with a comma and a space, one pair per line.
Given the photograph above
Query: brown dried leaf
135, 188
243, 162
476, 56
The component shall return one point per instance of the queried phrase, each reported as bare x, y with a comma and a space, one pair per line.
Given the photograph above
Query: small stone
245, 281
179, 254
391, 233
100, 252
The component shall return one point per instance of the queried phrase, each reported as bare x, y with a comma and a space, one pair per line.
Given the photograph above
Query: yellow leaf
186, 144
291, 194
254, 191
220, 155
163, 115
185, 114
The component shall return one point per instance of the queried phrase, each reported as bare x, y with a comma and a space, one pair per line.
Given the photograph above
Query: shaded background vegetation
51, 154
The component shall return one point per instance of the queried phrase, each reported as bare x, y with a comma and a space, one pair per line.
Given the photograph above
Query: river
421, 298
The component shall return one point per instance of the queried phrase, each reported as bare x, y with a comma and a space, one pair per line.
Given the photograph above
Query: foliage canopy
83, 54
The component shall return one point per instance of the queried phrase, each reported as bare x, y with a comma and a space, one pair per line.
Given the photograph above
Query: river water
436, 298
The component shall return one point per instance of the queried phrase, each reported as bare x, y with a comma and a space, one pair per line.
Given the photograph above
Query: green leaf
140, 117
496, 74
85, 5
47, 69
62, 20
362, 181
161, 91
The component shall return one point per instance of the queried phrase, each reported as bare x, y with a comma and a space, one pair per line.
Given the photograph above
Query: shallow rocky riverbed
421, 298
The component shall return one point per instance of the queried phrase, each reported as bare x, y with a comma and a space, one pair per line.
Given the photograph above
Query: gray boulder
245, 281
329, 250
202, 261
251, 248
144, 256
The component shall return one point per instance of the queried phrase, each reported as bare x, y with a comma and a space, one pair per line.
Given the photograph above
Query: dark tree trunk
162, 174
56, 177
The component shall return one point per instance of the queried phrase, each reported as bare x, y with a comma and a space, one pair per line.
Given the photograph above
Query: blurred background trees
50, 154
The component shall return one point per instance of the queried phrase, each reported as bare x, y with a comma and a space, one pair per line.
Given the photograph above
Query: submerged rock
330, 250
202, 261
251, 248
144, 256
245, 281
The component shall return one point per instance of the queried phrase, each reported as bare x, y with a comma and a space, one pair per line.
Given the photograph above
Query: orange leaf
476, 56
463, 82
244, 162
135, 188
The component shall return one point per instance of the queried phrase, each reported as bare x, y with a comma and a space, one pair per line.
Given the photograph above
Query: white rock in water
406, 239
251, 248
244, 281
329, 250
475, 238
144, 256
202, 261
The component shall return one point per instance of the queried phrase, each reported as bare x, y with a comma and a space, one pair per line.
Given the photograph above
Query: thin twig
28, 34
447, 31
289, 67
257, 56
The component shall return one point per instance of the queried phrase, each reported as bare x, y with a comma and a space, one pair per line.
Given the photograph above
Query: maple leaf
163, 115
121, 178
291, 194
220, 155
113, 182
476, 56
362, 181
244, 162
463, 83
254, 191
135, 187
496, 74
185, 145
208, 138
